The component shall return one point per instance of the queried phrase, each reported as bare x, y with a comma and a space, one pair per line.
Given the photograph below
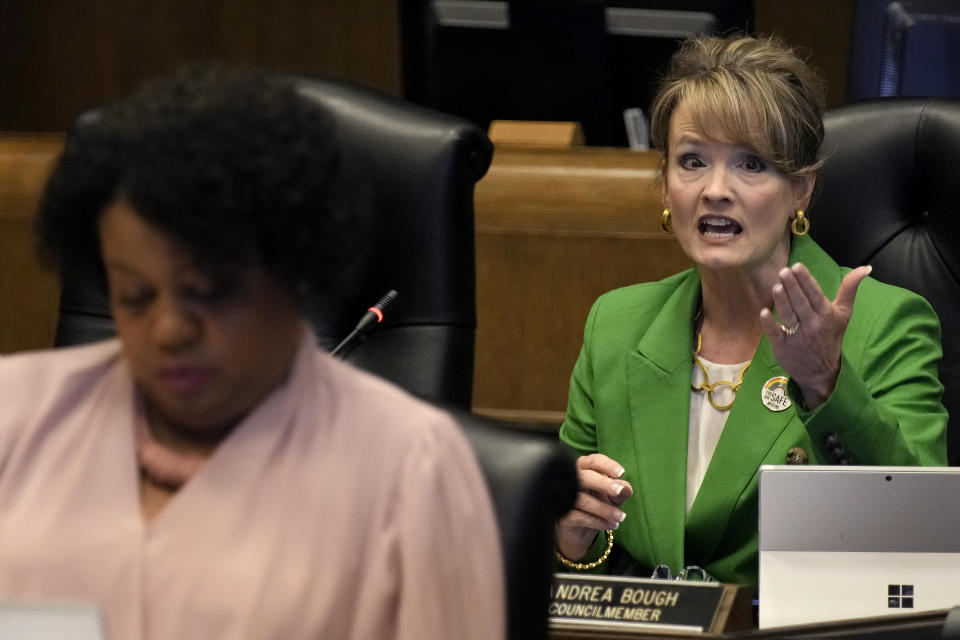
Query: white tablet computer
852, 542
50, 621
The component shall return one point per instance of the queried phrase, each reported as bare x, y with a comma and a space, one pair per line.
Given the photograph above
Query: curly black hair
235, 166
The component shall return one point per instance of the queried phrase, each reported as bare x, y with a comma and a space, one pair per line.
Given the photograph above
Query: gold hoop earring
801, 224
665, 225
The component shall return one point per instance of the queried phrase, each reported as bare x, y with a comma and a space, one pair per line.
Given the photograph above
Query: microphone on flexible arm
372, 317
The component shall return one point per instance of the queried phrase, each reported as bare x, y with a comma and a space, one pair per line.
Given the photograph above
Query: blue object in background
905, 48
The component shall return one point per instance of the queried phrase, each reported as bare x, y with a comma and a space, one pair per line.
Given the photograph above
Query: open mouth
718, 227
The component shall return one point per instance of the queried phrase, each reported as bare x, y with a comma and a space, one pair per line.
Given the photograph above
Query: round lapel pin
796, 455
774, 394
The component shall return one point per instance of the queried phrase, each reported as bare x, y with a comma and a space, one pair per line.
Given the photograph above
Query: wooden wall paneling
555, 229
60, 56
28, 293
343, 38
821, 28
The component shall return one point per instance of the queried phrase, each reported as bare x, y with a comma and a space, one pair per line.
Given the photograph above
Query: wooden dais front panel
28, 293
555, 229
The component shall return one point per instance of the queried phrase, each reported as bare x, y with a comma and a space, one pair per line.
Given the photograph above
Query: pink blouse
340, 508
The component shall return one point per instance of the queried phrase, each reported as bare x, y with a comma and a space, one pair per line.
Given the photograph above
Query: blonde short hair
754, 91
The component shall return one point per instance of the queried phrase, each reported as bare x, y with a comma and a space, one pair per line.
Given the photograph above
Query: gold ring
790, 330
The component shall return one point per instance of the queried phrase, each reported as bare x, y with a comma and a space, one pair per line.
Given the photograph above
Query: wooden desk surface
589, 190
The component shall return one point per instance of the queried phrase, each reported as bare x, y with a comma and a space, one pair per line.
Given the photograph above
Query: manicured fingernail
869, 269
616, 487
784, 272
616, 525
621, 516
797, 267
778, 288
620, 472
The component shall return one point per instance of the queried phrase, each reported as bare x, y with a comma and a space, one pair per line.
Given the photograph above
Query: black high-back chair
417, 169
421, 167
891, 198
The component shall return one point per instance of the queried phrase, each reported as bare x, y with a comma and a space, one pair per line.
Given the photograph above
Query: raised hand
807, 340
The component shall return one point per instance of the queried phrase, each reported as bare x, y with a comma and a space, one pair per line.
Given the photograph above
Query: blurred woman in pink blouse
211, 473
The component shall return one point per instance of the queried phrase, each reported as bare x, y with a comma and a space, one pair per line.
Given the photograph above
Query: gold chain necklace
709, 387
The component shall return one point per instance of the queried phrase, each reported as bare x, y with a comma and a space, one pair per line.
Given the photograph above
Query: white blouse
706, 422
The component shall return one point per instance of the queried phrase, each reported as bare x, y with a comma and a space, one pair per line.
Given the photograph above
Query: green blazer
630, 398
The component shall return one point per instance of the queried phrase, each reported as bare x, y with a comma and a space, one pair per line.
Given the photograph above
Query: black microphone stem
372, 317
346, 342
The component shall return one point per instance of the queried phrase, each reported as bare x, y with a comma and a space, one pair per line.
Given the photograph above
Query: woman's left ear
803, 189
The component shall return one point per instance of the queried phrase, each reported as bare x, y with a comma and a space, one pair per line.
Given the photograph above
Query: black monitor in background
566, 60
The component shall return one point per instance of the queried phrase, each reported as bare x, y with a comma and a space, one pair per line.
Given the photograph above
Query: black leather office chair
421, 168
891, 198
533, 483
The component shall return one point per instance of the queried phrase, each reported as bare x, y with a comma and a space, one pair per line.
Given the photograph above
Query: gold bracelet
581, 566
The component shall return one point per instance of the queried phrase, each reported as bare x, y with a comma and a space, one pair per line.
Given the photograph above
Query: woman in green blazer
684, 387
